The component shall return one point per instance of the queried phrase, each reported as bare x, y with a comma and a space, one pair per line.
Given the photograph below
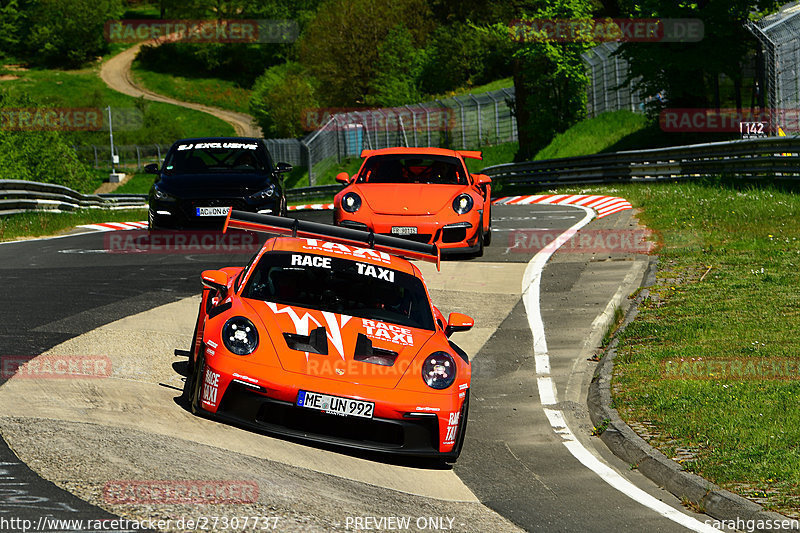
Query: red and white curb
310, 207
603, 205
115, 226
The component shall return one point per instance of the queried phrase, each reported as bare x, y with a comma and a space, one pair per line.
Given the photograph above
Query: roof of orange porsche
332, 249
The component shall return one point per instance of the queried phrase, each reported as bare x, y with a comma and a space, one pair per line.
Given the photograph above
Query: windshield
340, 286
203, 157
413, 169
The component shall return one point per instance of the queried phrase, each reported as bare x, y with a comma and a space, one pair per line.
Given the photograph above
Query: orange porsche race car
422, 194
327, 335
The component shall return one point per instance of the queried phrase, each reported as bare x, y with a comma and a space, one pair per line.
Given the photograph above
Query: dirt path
116, 73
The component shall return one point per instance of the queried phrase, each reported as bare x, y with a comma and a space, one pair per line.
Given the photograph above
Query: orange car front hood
408, 198
346, 335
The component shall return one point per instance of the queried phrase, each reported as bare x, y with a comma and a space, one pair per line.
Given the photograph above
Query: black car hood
212, 185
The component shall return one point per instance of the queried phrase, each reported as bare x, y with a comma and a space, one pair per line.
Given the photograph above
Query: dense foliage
63, 33
44, 156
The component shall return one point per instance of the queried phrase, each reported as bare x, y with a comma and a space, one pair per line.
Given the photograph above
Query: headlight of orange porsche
462, 203
439, 370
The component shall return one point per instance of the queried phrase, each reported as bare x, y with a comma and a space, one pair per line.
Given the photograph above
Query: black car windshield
413, 169
340, 286
217, 156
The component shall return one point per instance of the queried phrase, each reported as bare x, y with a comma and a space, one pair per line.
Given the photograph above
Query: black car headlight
351, 202
161, 195
266, 194
240, 335
439, 370
462, 203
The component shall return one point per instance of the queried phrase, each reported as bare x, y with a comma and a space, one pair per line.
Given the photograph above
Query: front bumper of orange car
457, 234
403, 422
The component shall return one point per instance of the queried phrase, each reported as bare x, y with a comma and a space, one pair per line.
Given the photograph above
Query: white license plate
404, 230
212, 211
335, 405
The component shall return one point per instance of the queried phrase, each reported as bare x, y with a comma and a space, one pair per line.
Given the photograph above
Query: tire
462, 432
487, 237
479, 253
194, 384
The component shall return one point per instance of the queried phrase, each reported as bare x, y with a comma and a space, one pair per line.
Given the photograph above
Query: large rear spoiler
314, 230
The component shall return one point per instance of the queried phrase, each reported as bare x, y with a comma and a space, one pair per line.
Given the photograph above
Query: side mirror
482, 179
282, 168
343, 178
151, 168
458, 322
216, 280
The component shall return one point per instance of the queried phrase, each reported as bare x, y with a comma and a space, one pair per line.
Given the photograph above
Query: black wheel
462, 432
194, 384
487, 237
479, 253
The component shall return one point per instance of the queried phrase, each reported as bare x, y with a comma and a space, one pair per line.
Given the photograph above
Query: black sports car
201, 179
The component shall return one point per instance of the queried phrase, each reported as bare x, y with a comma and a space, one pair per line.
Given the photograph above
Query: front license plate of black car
404, 230
212, 211
335, 405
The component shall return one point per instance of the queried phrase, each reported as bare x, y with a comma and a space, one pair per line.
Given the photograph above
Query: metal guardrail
312, 193
775, 157
17, 196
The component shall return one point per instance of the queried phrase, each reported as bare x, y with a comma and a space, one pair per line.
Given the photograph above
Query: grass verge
41, 223
593, 135
676, 377
213, 92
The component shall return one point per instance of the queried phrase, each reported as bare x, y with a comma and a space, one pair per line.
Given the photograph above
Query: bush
67, 33
460, 55
280, 97
238, 62
44, 156
397, 72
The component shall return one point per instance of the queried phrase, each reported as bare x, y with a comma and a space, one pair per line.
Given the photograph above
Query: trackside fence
460, 122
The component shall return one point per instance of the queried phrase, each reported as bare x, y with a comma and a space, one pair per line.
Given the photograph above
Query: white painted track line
548, 394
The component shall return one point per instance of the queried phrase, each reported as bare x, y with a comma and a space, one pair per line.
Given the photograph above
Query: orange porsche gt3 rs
328, 335
423, 194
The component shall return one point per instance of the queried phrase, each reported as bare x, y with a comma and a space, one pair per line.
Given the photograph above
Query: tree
68, 32
341, 44
689, 72
550, 80
281, 97
397, 71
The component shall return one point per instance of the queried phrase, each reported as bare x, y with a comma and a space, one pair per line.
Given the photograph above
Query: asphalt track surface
513, 463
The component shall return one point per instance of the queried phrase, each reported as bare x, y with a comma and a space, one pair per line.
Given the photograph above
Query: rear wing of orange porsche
314, 230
